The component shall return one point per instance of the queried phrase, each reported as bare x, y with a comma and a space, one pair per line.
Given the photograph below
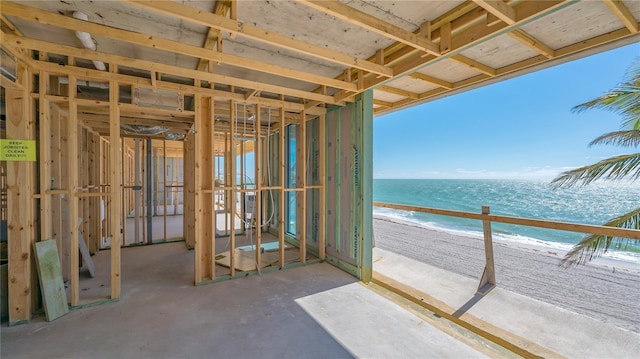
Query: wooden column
115, 176
203, 176
74, 211
22, 282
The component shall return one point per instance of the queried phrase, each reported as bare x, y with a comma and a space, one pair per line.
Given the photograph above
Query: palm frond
594, 246
623, 166
628, 138
624, 99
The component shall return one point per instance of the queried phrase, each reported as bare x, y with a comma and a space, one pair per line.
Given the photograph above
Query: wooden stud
20, 206
46, 227
232, 183
258, 179
283, 185
74, 212
115, 174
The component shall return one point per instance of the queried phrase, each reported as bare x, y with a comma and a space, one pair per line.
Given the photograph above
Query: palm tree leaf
593, 246
624, 99
628, 138
623, 166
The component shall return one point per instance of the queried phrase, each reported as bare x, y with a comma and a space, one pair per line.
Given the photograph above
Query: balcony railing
488, 279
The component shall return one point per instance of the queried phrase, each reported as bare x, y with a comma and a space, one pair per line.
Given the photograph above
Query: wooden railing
488, 280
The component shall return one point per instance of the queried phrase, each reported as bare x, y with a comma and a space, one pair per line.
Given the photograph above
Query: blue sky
521, 128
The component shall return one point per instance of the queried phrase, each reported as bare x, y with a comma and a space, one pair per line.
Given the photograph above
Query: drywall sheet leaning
50, 274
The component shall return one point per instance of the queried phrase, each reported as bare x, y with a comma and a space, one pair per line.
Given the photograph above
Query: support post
115, 176
74, 206
283, 185
21, 207
149, 191
488, 280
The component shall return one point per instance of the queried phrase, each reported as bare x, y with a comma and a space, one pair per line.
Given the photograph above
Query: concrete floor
314, 311
543, 329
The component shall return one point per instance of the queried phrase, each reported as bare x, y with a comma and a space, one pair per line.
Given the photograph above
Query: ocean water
593, 204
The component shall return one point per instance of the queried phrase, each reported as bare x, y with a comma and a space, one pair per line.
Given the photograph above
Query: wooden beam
246, 30
533, 43
500, 9
372, 23
474, 64
623, 13
383, 103
179, 71
430, 79
48, 18
399, 92
222, 8
232, 183
115, 176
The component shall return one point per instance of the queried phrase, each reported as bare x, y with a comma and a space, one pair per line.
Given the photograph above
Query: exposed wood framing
204, 182
500, 9
533, 43
213, 34
243, 29
359, 18
74, 211
115, 176
22, 282
623, 13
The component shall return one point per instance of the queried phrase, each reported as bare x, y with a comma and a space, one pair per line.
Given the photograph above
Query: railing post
488, 280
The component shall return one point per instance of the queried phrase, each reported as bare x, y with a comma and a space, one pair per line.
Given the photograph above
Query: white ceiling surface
568, 26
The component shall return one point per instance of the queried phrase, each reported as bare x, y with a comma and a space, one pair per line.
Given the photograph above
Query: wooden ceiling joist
372, 23
623, 13
432, 80
45, 17
400, 92
533, 43
499, 9
221, 9
188, 13
154, 66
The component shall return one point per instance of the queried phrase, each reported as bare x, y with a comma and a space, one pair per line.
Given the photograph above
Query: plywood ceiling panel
449, 70
387, 97
501, 51
573, 24
412, 85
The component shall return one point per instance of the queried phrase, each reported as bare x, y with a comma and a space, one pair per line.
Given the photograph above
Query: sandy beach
606, 290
